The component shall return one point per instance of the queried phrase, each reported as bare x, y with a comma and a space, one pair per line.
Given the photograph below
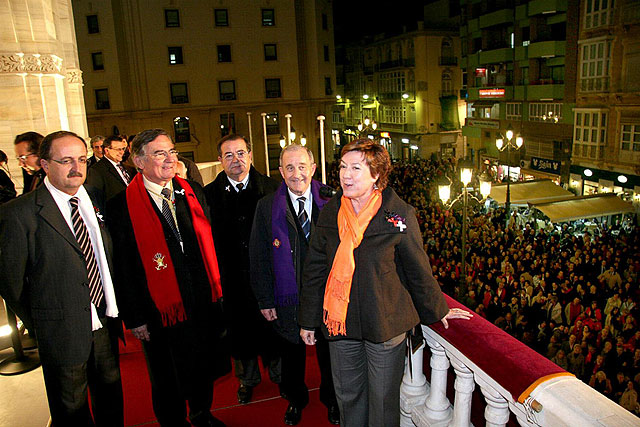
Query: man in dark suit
97, 146
27, 146
279, 243
167, 281
109, 176
233, 196
55, 273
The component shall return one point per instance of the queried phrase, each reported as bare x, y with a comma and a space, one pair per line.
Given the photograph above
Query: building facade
519, 70
40, 78
203, 69
606, 131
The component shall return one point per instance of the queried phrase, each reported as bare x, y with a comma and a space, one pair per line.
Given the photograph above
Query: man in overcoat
167, 281
280, 235
233, 196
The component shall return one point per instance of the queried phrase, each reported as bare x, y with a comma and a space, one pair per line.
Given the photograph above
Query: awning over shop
522, 192
583, 207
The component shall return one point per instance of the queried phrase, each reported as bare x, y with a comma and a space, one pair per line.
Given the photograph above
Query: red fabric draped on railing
513, 365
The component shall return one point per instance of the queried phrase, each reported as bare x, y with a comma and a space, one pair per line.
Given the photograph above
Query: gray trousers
367, 378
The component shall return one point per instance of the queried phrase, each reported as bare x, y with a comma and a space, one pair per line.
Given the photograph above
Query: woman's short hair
375, 156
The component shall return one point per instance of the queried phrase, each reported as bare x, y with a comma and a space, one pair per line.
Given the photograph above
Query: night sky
355, 18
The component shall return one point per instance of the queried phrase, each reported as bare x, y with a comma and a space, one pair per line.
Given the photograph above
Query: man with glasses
233, 197
55, 273
167, 281
97, 146
26, 146
110, 176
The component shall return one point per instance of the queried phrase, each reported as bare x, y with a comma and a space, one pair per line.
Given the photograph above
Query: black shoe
334, 414
293, 415
244, 394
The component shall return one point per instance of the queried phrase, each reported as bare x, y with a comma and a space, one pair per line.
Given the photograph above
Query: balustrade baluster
464, 386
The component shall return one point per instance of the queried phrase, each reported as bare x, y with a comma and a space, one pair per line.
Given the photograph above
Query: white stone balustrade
559, 401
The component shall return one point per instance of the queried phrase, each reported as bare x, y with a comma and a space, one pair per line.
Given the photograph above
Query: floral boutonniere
396, 220
99, 215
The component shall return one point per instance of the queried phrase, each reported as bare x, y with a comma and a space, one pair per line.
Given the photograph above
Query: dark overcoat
262, 275
103, 177
231, 220
393, 288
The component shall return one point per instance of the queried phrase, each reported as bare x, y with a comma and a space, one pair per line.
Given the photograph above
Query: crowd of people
573, 297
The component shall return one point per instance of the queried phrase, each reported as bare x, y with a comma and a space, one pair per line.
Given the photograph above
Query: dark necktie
240, 187
82, 235
125, 174
303, 217
166, 212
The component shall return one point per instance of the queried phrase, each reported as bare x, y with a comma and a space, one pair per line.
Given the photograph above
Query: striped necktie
125, 174
82, 235
303, 217
166, 212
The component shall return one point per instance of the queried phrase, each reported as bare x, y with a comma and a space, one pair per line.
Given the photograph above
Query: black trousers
67, 386
293, 370
180, 371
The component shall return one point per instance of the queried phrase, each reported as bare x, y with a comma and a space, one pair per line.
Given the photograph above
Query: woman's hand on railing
455, 313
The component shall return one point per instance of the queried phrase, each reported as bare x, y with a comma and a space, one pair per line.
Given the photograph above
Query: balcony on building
518, 385
448, 60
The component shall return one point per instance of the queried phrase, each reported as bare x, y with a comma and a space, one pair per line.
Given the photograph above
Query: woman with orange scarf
366, 282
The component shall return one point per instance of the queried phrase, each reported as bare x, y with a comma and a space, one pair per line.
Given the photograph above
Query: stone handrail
556, 401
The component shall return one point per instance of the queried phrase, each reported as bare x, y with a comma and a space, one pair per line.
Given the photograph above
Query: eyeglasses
24, 157
122, 150
67, 161
240, 154
162, 154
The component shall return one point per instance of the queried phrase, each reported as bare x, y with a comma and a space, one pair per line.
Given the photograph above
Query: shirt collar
235, 183
156, 188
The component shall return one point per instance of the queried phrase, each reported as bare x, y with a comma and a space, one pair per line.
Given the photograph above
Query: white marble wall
40, 79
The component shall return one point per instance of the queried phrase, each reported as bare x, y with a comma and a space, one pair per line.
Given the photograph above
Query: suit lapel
112, 170
50, 212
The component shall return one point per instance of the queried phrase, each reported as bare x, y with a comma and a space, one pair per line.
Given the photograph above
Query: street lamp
465, 168
550, 117
303, 140
510, 143
283, 141
367, 125
292, 135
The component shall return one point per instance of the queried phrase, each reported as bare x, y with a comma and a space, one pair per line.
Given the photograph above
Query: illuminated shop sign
491, 93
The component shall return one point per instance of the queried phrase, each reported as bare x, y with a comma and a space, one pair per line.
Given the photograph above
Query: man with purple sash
282, 226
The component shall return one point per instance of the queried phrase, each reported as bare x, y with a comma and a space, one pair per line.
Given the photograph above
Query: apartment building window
590, 133
92, 24
327, 86
175, 55
227, 124
179, 93
630, 137
338, 116
102, 99
171, 18
325, 22
446, 84
273, 124
97, 61
221, 17
268, 17
326, 53
594, 66
537, 111
270, 52
598, 13
272, 88
394, 114
227, 90
514, 110
181, 129
224, 53
393, 82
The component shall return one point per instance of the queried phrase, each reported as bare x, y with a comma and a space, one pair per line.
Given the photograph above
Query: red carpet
266, 409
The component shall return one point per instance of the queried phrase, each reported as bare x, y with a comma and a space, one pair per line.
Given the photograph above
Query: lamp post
465, 169
511, 143
366, 125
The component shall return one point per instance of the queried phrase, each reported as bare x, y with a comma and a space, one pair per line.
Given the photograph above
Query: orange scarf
351, 228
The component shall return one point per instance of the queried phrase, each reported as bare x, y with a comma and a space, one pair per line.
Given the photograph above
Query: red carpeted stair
267, 408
